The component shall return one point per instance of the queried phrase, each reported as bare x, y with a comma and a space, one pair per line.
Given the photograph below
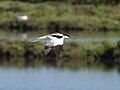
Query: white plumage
52, 39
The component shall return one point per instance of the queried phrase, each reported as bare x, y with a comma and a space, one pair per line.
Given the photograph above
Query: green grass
87, 17
75, 50
74, 55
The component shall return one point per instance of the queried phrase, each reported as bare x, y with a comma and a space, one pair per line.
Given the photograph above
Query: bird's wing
43, 38
35, 40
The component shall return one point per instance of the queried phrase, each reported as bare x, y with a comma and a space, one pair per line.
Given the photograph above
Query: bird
22, 18
53, 43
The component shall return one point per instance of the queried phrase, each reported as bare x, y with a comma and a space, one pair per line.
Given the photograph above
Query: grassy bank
56, 16
102, 52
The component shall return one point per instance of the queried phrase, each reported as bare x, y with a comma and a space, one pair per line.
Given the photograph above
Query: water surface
24, 36
52, 78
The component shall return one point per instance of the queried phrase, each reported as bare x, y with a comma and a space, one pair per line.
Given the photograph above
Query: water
52, 78
17, 37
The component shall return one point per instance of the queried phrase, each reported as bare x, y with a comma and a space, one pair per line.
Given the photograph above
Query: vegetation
104, 52
75, 1
74, 55
59, 16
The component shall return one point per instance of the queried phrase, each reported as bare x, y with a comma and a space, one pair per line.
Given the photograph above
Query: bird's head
66, 36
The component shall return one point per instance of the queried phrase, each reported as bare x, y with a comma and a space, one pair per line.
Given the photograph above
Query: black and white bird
54, 43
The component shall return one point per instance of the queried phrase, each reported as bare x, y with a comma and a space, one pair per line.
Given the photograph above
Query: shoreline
102, 52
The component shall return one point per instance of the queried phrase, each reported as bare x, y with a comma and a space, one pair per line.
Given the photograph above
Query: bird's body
53, 43
54, 39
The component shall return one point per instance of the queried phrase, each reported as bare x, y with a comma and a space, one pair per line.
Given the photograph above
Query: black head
66, 35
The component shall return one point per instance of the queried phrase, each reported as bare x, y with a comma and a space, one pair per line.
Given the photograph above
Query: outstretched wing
43, 38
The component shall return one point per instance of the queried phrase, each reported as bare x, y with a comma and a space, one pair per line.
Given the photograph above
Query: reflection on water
59, 63
21, 74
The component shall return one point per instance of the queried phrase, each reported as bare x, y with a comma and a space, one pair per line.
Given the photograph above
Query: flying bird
53, 43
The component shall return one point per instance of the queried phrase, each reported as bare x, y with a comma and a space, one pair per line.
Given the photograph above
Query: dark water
54, 78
